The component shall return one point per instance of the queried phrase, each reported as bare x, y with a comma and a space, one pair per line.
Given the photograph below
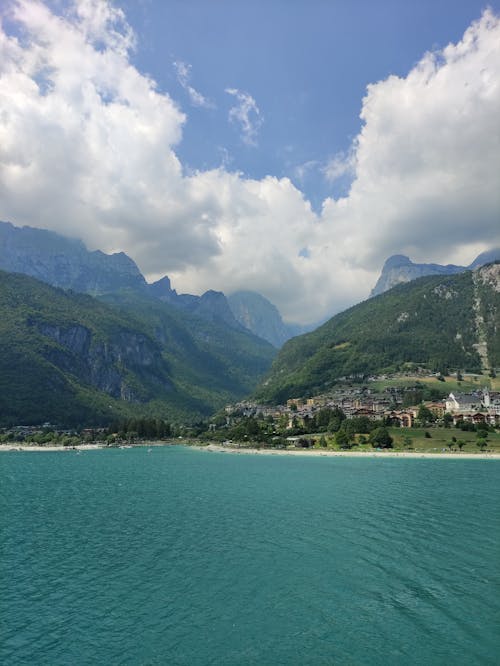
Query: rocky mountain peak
65, 262
399, 269
396, 261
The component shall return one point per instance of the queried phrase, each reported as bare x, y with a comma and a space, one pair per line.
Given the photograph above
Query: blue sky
285, 147
306, 64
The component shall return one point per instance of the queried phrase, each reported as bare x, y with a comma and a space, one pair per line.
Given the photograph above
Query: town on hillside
481, 406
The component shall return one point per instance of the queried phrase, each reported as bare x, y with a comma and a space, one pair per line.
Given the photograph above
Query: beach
218, 448
15, 446
318, 453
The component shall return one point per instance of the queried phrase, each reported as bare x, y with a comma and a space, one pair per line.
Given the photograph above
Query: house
437, 408
464, 402
404, 418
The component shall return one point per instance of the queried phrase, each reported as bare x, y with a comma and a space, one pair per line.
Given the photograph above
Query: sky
283, 146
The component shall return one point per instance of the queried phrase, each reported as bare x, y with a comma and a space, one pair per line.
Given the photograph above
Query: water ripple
179, 557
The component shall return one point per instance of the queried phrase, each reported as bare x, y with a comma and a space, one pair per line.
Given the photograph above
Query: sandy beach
217, 448
14, 446
350, 454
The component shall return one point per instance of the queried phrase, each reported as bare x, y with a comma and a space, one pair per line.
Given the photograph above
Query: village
390, 406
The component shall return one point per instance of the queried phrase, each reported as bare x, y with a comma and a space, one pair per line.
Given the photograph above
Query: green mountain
70, 359
435, 322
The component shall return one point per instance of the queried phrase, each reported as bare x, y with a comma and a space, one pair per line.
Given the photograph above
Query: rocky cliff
212, 305
399, 269
260, 316
65, 262
72, 358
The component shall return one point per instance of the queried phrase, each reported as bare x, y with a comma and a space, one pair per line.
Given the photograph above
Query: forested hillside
70, 359
434, 322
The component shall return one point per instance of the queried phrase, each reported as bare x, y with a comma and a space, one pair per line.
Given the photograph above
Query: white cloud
246, 114
301, 171
87, 148
341, 164
428, 157
183, 71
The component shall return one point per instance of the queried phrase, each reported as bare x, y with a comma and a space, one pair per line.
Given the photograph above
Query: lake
179, 556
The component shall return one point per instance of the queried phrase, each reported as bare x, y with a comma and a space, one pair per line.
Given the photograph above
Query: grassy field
450, 385
440, 438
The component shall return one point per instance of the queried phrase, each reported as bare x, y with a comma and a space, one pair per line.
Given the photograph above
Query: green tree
482, 443
447, 420
407, 442
322, 419
424, 415
380, 437
342, 439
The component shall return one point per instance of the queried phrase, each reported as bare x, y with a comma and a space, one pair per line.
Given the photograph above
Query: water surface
177, 556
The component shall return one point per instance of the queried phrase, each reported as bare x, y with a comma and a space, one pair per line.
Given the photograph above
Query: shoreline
321, 453
217, 448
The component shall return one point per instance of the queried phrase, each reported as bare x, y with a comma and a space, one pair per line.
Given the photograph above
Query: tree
342, 439
482, 443
482, 429
447, 420
407, 442
380, 437
424, 415
322, 442
361, 424
412, 397
323, 418
336, 420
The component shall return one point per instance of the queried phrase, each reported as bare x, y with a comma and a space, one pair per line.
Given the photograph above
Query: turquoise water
185, 557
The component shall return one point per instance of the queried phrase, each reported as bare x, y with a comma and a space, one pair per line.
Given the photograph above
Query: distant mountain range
126, 347
399, 269
74, 359
437, 322
85, 339
261, 317
66, 263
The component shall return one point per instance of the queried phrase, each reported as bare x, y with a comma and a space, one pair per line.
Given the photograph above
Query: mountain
399, 269
260, 316
65, 262
212, 361
71, 359
436, 322
488, 257
212, 305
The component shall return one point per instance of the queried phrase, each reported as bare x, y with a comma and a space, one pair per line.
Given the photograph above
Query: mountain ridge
259, 315
72, 358
399, 269
435, 322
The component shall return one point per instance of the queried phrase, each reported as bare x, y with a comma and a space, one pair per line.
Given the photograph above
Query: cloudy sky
283, 147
